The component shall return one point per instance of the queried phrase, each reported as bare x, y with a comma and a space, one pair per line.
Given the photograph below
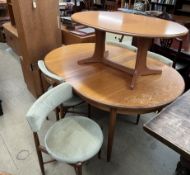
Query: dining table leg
112, 122
100, 53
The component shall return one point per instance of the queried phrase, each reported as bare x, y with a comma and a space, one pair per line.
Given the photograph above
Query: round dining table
107, 88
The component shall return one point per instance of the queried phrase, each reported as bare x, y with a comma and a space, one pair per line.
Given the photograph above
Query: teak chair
72, 140
54, 80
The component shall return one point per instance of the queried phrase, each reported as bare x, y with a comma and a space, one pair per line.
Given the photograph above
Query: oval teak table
143, 27
108, 88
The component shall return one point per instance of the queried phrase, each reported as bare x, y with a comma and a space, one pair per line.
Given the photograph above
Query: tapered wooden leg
57, 113
89, 111
63, 112
39, 153
99, 154
138, 118
112, 122
78, 169
183, 167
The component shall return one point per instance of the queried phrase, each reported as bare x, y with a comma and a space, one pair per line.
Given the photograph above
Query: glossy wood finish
108, 89
130, 24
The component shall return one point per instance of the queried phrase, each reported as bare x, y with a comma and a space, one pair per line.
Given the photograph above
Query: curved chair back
161, 58
153, 55
49, 75
46, 103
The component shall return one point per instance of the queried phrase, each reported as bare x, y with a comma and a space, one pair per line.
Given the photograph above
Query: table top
130, 24
172, 125
107, 87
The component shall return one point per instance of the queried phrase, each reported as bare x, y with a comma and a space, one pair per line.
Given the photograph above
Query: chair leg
78, 169
99, 154
138, 118
39, 153
57, 113
89, 110
63, 112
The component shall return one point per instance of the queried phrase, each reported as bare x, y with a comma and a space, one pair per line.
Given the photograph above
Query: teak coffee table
108, 89
143, 27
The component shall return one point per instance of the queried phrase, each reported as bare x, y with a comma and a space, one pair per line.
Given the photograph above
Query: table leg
1, 109
99, 51
112, 122
183, 167
141, 68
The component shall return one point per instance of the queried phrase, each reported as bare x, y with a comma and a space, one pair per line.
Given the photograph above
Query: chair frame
62, 109
41, 149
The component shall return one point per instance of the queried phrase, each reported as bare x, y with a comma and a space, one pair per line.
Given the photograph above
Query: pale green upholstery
74, 139
73, 100
161, 58
47, 73
128, 46
153, 55
46, 103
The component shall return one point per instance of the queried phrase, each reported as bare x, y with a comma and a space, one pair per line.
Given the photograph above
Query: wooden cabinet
36, 34
12, 37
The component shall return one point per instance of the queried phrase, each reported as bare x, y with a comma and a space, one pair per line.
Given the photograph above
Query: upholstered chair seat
74, 139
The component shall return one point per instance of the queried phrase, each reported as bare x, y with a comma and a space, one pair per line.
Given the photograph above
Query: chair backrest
151, 54
46, 103
161, 58
51, 78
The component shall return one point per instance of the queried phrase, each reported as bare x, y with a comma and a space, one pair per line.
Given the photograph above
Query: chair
62, 139
166, 44
153, 55
54, 80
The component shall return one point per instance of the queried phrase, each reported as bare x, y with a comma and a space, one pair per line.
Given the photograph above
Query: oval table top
130, 24
105, 87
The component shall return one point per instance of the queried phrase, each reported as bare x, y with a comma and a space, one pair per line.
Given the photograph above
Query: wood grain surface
130, 24
172, 126
106, 87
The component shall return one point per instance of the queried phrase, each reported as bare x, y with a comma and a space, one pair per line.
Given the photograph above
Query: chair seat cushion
73, 101
74, 139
